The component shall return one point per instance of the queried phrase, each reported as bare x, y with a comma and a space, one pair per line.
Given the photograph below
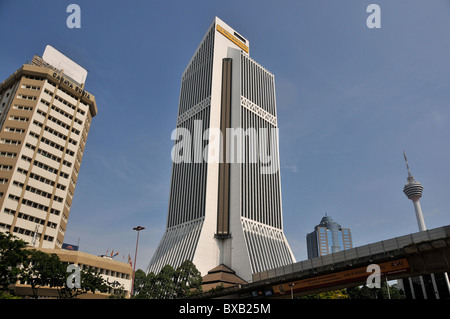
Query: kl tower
413, 190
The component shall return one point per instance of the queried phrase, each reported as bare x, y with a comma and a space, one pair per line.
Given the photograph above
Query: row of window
34, 204
63, 101
57, 121
30, 218
62, 112
56, 133
31, 87
31, 233
9, 142
26, 97
14, 130
8, 154
49, 155
45, 166
22, 107
38, 191
5, 167
52, 144
54, 157
31, 77
41, 179
106, 272
19, 118
71, 106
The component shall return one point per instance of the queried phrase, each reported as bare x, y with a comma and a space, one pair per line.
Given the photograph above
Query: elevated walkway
415, 254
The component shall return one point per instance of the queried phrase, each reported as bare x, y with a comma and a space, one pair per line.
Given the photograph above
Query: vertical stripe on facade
261, 211
224, 165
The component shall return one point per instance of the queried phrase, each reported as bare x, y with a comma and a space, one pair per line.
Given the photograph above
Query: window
14, 130
26, 97
19, 118
31, 87
8, 154
21, 107
10, 142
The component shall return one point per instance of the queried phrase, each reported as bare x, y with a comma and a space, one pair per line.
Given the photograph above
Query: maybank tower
225, 194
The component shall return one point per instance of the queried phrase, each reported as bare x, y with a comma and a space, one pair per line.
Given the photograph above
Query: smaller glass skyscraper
328, 237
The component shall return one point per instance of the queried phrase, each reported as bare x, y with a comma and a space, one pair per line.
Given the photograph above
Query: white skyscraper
225, 198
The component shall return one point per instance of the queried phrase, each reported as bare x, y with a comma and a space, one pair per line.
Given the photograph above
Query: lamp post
138, 229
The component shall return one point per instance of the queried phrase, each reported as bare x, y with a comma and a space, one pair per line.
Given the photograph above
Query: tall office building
328, 237
225, 197
45, 116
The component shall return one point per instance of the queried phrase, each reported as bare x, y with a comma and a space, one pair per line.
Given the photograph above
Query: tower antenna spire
407, 166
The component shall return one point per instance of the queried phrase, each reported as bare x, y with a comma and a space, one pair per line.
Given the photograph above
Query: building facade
45, 117
225, 197
328, 237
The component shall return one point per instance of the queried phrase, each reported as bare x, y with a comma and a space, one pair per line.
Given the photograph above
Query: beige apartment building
45, 117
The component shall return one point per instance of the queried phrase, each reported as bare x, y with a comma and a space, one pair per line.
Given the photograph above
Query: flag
129, 261
114, 254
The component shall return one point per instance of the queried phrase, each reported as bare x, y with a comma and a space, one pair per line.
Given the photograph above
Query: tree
368, 293
168, 283
353, 292
39, 270
119, 290
143, 285
140, 281
12, 255
365, 292
188, 280
396, 292
335, 294
165, 285
90, 281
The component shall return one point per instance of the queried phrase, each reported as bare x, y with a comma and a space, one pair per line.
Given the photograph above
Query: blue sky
349, 100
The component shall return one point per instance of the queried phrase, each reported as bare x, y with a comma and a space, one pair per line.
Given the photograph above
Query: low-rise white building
111, 270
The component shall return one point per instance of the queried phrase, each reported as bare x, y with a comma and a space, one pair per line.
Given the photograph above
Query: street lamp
138, 229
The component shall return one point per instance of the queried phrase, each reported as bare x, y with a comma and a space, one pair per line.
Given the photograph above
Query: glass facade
328, 237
